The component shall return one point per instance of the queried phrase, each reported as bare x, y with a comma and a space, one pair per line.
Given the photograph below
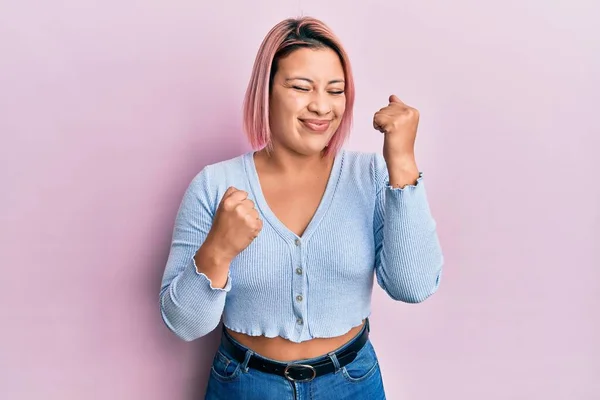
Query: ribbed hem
195, 288
227, 287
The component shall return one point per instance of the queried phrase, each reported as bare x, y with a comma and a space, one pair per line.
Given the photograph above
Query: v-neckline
270, 216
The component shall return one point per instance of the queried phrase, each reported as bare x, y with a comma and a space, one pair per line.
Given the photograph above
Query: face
307, 100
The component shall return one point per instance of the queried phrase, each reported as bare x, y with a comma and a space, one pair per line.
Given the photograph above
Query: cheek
339, 106
291, 106
296, 103
284, 113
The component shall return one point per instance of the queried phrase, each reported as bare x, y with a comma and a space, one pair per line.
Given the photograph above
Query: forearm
410, 259
193, 303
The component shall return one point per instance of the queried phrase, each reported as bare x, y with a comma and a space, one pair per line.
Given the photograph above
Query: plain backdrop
108, 109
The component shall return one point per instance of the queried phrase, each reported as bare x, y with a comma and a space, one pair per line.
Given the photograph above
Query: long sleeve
189, 305
409, 258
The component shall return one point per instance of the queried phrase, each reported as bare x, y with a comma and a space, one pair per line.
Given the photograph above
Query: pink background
108, 109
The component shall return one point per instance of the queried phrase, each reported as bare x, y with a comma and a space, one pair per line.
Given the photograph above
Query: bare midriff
281, 349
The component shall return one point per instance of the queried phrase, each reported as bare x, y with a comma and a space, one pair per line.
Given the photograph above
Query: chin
307, 150
312, 146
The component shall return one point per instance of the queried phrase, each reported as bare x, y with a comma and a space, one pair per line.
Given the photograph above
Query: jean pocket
225, 368
363, 366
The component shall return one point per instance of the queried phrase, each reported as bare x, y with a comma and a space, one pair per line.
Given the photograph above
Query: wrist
210, 257
402, 173
214, 266
399, 159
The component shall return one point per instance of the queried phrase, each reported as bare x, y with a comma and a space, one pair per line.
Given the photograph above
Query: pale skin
308, 90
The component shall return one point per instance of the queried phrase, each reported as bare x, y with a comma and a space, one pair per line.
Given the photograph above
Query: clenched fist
236, 224
399, 123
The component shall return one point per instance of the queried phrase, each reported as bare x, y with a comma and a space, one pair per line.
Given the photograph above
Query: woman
284, 242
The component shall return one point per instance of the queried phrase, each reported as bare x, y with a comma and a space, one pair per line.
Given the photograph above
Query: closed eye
334, 92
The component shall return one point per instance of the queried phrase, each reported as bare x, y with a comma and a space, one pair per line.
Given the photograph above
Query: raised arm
409, 258
190, 305
408, 254
205, 242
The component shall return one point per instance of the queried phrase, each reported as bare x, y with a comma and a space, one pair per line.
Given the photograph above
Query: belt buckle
309, 367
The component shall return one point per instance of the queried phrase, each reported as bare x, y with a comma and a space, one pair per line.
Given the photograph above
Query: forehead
315, 64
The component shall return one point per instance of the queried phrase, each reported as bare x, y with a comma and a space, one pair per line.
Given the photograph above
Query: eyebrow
311, 81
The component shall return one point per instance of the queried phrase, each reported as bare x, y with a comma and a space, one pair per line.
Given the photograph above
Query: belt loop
335, 361
368, 326
249, 354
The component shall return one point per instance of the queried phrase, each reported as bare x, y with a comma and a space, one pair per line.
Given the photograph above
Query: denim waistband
314, 359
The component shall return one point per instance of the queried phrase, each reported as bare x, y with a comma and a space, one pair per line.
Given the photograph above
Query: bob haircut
287, 36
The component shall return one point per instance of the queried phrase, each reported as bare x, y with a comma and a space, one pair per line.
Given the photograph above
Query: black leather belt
299, 372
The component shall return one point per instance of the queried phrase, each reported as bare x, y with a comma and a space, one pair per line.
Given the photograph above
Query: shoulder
362, 158
212, 181
365, 166
225, 170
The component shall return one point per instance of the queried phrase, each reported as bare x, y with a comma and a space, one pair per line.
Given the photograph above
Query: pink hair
285, 37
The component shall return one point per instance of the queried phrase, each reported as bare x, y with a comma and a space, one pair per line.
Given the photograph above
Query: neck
289, 162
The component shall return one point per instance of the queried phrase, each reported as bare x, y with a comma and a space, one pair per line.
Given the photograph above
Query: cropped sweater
317, 285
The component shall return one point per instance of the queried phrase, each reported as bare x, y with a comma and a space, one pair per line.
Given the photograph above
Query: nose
319, 104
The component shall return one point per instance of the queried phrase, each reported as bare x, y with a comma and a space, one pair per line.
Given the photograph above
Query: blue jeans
233, 380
